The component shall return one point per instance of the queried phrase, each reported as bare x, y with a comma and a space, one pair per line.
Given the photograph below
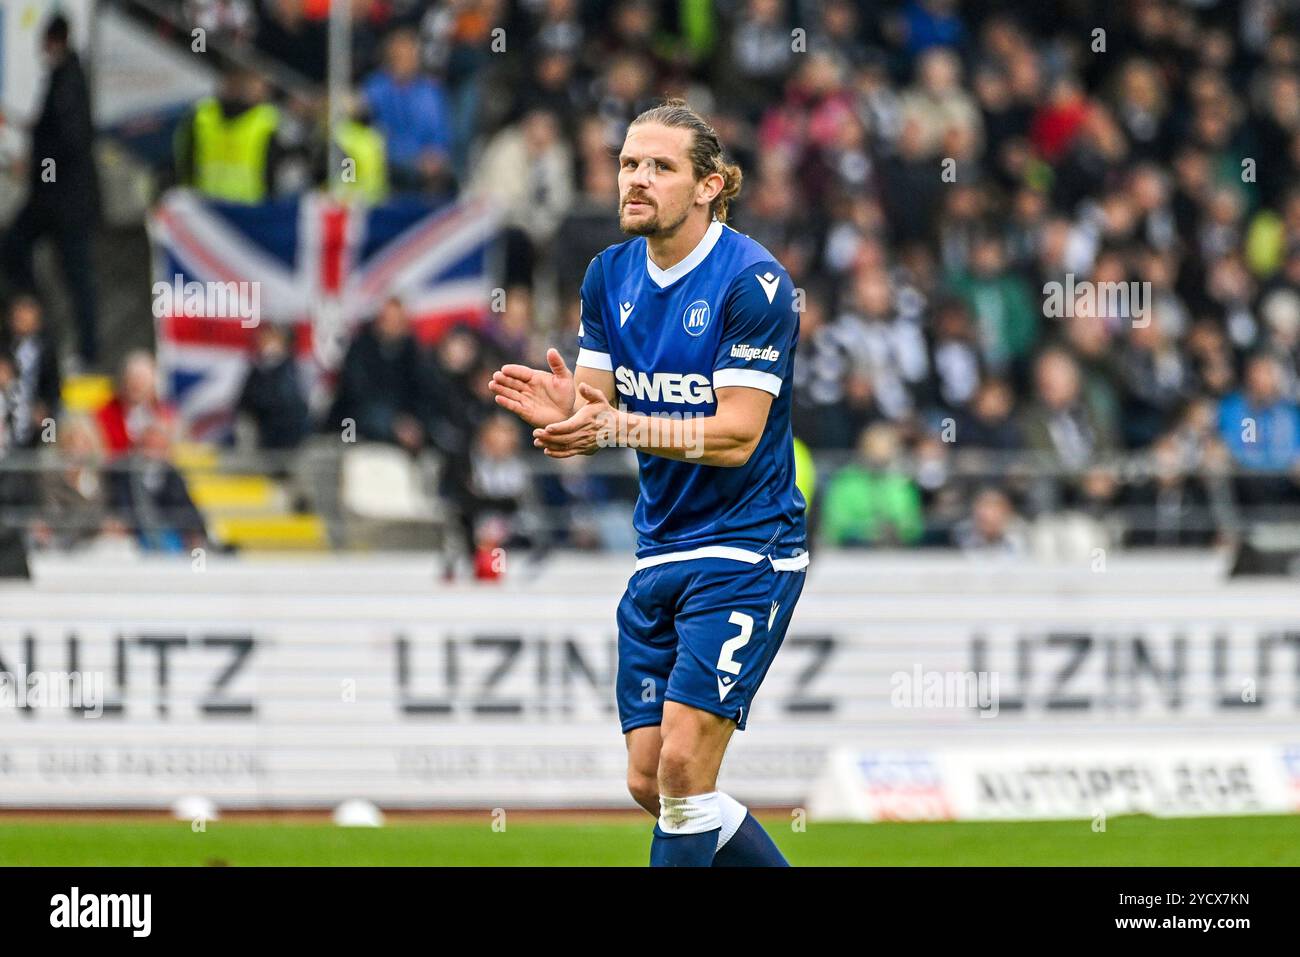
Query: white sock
689, 815
733, 813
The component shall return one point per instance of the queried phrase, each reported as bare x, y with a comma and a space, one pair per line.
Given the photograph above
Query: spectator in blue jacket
1260, 424
411, 110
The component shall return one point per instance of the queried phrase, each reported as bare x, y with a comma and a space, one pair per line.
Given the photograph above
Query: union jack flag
323, 266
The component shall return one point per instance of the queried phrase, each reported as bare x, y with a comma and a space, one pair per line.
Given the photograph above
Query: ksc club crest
696, 317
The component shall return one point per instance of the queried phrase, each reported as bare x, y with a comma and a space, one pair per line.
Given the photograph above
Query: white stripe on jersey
753, 378
594, 360
791, 564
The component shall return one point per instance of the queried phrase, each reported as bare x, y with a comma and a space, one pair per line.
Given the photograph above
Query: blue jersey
723, 316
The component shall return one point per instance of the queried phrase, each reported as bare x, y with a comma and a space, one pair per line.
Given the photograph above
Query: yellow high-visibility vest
805, 472
367, 177
230, 154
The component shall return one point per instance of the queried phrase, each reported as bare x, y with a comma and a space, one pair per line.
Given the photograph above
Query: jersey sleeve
759, 329
593, 347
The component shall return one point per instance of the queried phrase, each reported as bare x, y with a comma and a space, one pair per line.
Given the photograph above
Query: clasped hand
585, 432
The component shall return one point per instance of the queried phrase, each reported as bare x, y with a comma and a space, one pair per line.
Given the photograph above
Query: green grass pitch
1127, 841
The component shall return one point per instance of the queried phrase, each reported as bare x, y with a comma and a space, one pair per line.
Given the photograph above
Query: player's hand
586, 432
538, 397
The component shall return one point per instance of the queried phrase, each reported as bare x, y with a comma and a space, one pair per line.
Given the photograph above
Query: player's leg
731, 622
690, 818
643, 767
750, 845
647, 649
693, 743
740, 833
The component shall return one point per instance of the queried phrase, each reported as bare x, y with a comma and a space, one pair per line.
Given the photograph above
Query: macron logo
624, 312
132, 911
725, 685
747, 352
769, 283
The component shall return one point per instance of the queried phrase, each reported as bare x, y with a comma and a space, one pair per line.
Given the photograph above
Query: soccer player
690, 328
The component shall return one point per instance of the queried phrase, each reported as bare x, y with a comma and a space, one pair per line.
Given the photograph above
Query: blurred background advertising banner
1022, 692
1024, 783
319, 265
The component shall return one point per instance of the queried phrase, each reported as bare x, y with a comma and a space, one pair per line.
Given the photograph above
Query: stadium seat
379, 482
212, 491
248, 510
194, 456
386, 500
272, 532
86, 393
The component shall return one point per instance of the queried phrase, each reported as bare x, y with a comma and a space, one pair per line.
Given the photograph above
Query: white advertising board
301, 682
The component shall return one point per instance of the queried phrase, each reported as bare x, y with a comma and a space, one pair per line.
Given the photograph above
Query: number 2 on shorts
732, 645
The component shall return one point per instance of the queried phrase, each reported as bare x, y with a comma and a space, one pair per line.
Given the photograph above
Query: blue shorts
702, 632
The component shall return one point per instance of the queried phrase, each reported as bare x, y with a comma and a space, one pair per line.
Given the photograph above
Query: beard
652, 226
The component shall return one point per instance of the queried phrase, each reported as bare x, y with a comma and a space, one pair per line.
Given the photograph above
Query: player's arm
539, 397
602, 380
591, 385
750, 366
594, 365
727, 438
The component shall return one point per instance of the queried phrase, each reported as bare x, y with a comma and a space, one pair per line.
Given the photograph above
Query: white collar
666, 277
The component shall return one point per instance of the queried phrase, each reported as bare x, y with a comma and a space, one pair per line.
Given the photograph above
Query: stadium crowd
926, 173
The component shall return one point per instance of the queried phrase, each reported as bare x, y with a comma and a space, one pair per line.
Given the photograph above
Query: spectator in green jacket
1006, 316
873, 503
